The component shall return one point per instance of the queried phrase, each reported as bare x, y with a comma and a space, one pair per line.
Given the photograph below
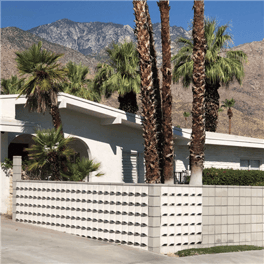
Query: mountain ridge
248, 111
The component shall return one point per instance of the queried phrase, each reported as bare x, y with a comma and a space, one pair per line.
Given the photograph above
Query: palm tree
166, 91
228, 104
78, 85
11, 86
148, 95
156, 88
121, 74
49, 151
81, 169
44, 81
198, 88
220, 69
186, 115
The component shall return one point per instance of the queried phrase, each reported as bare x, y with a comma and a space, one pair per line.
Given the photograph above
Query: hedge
215, 176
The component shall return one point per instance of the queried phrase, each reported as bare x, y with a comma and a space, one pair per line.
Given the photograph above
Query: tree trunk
166, 91
56, 119
198, 88
148, 97
54, 165
211, 106
156, 87
128, 102
230, 115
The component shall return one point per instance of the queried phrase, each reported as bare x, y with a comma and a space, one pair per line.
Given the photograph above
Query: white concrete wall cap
117, 116
222, 139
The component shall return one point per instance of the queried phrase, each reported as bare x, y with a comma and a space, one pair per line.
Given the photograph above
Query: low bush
215, 176
216, 250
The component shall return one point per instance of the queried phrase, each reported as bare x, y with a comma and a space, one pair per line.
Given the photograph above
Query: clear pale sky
245, 17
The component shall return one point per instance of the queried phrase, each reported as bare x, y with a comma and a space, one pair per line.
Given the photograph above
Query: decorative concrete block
230, 228
236, 229
224, 229
230, 192
236, 238
242, 191
230, 210
230, 238
236, 191
224, 238
230, 219
212, 191
224, 200
224, 210
230, 201
236, 219
218, 201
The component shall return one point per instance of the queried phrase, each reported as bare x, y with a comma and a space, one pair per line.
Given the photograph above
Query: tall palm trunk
230, 114
54, 166
198, 88
166, 91
128, 102
211, 106
148, 97
156, 87
56, 118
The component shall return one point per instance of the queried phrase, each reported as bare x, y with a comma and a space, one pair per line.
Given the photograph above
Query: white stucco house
114, 138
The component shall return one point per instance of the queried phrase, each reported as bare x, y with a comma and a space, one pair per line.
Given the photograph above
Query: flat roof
112, 116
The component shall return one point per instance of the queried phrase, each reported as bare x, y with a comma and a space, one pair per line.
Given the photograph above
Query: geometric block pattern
181, 218
233, 215
110, 212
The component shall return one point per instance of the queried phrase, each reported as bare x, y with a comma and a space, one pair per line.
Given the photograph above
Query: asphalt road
28, 244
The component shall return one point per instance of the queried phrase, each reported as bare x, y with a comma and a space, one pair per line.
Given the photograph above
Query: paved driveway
28, 244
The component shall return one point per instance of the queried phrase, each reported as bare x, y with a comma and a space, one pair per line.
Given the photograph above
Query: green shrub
215, 176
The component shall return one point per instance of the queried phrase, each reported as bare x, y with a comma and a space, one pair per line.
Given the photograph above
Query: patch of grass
215, 250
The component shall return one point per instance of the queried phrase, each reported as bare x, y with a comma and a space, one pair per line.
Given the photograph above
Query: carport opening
18, 145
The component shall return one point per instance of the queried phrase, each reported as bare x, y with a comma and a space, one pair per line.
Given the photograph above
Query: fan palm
48, 152
78, 85
166, 91
220, 69
121, 74
11, 86
148, 94
157, 94
44, 81
81, 169
198, 88
228, 104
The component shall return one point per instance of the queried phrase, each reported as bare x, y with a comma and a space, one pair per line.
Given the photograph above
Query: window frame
249, 163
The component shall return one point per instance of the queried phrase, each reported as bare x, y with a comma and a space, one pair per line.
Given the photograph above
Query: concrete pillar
17, 167
154, 218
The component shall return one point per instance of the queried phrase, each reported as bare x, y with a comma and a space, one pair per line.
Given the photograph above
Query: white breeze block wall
224, 157
181, 218
114, 213
158, 218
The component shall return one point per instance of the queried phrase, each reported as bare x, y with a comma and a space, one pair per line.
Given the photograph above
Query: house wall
221, 157
105, 142
5, 177
229, 157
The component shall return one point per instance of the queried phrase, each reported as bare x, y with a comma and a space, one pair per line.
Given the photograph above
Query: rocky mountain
91, 38
14, 39
248, 119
